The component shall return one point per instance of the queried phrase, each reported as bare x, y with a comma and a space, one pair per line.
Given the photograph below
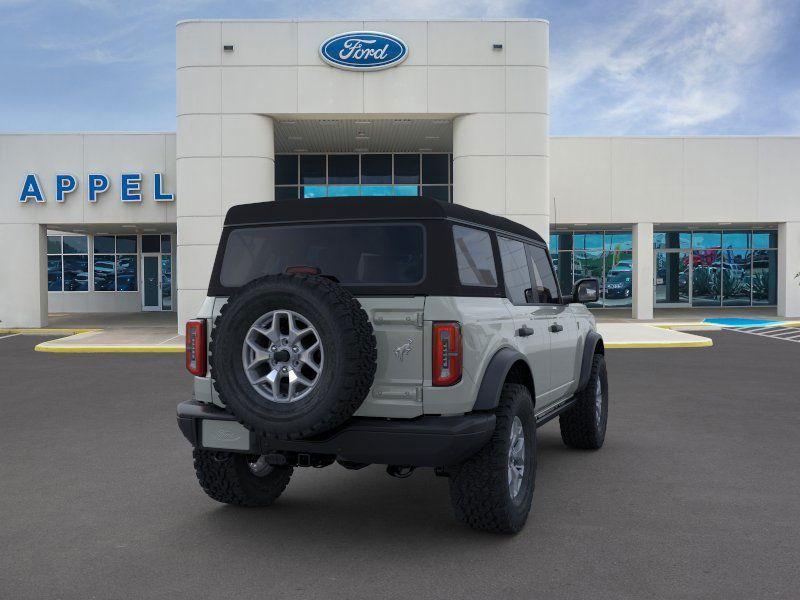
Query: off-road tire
479, 489
227, 478
347, 338
580, 426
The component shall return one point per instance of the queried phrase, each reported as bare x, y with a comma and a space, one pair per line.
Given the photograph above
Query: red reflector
196, 347
447, 353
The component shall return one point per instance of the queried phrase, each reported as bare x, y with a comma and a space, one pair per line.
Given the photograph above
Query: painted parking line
789, 334
2, 337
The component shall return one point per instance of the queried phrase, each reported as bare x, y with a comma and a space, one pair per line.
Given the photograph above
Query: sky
634, 67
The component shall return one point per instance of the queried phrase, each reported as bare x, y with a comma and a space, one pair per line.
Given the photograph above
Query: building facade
456, 110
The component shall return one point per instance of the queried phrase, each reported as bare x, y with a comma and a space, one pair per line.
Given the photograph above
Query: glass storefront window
618, 282
286, 169
385, 174
343, 168
126, 244
672, 278
151, 243
438, 192
588, 241
104, 272
75, 244
406, 168
706, 277
706, 239
166, 244
588, 264
736, 239
765, 239
434, 168
376, 168
104, 244
618, 241
736, 277
76, 273
672, 239
54, 244
342, 190
765, 277
312, 169
126, 274
54, 273
562, 261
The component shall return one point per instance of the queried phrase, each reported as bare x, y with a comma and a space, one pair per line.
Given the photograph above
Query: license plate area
224, 435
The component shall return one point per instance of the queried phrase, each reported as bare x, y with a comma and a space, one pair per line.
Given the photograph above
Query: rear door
397, 389
531, 333
561, 324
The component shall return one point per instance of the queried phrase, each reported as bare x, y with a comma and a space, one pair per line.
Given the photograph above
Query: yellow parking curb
46, 331
704, 343
98, 349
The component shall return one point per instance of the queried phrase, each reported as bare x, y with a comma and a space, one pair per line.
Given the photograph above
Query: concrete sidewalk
641, 335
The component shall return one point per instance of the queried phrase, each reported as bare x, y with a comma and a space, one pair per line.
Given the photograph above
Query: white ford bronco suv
404, 332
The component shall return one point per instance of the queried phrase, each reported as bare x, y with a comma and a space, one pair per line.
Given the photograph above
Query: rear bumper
428, 441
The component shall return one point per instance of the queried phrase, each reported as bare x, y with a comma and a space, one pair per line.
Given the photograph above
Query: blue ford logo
363, 50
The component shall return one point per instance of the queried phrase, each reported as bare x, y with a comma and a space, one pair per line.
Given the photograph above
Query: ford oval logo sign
363, 50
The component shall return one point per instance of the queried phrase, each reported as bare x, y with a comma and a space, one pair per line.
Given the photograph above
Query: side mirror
586, 290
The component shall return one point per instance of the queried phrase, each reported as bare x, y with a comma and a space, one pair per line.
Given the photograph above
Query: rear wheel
584, 425
239, 479
493, 489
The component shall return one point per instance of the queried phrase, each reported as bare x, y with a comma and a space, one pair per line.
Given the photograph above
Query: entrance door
151, 276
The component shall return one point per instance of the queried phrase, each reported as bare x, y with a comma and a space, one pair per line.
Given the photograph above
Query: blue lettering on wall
31, 190
131, 188
98, 183
65, 184
158, 195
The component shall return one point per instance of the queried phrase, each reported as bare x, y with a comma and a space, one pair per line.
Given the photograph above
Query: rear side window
546, 286
474, 257
515, 271
355, 254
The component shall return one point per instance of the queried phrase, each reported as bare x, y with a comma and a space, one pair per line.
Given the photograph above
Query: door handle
555, 328
524, 331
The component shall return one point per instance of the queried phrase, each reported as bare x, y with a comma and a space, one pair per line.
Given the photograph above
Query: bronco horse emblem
402, 351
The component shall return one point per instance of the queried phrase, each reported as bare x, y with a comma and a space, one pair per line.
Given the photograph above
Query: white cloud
670, 68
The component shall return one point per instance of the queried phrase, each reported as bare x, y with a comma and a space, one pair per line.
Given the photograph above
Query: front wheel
584, 425
239, 479
493, 489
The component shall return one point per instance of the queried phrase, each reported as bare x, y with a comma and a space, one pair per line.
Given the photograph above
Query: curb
46, 331
98, 349
704, 343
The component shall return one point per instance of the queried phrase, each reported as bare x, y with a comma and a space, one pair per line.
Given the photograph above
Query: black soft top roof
370, 208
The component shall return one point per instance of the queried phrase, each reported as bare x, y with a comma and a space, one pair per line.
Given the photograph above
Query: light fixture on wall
497, 46
228, 47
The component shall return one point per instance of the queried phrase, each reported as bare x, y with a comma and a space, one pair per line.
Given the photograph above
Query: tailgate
399, 332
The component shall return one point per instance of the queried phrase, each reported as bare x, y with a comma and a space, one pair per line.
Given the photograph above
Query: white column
23, 270
788, 268
642, 271
223, 160
500, 165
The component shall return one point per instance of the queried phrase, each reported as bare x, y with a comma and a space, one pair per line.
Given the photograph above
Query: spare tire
292, 355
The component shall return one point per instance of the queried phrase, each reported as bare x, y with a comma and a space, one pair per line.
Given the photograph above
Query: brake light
196, 347
447, 353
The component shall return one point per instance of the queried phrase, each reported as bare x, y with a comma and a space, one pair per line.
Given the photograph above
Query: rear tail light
196, 347
447, 353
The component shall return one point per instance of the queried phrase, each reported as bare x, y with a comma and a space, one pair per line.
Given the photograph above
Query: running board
551, 412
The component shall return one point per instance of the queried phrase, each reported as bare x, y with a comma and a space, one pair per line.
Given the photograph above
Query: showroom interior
664, 222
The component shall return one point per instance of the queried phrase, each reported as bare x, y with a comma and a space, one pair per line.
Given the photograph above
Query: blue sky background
617, 68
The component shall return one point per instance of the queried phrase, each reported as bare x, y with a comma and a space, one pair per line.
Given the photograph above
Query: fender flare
593, 345
495, 375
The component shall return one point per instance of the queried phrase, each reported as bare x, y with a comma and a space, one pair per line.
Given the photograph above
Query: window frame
62, 254
117, 255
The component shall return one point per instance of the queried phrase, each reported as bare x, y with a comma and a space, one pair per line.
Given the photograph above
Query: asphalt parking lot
695, 495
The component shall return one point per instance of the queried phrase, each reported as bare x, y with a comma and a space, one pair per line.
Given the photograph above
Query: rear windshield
355, 254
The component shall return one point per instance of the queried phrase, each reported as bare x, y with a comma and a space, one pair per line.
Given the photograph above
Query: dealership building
455, 110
